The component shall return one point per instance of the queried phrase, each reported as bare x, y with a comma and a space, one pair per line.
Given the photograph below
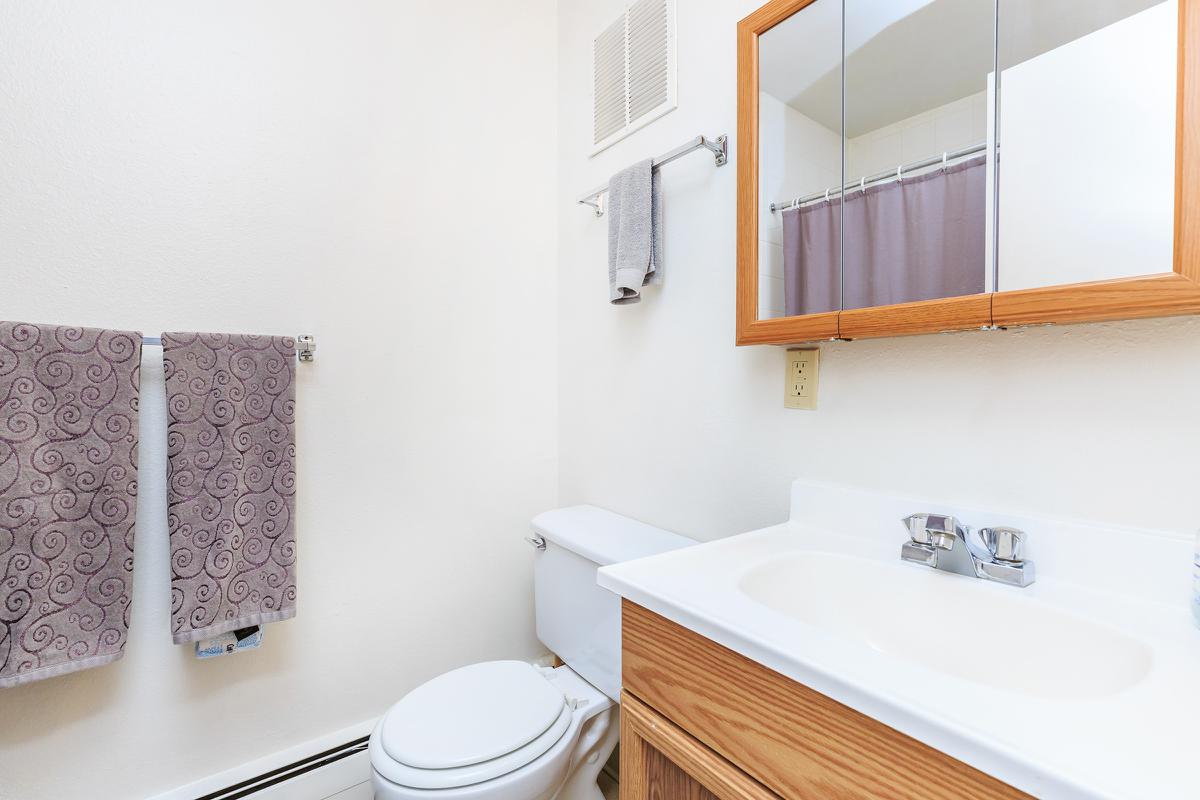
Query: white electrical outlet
800, 388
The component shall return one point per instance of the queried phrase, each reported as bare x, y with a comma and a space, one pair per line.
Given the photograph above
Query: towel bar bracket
596, 203
721, 151
306, 347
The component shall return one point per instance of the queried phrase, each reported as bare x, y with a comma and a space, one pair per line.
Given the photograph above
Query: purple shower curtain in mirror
812, 258
917, 239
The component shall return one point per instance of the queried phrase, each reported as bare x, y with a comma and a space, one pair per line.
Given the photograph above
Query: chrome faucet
945, 543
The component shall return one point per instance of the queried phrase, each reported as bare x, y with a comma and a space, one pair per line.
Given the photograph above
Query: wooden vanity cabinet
699, 721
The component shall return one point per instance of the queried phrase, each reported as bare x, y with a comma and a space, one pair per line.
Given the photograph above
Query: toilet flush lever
537, 541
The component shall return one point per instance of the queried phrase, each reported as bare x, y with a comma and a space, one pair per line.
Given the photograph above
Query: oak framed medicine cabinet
1160, 293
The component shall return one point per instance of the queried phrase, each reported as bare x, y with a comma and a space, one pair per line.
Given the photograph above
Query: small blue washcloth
230, 642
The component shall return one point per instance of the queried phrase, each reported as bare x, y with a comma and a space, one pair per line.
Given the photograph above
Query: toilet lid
456, 777
470, 715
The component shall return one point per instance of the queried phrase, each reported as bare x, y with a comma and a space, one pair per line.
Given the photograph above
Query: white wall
1087, 171
298, 166
662, 418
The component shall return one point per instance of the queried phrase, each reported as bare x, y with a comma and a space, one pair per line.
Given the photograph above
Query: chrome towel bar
306, 345
718, 147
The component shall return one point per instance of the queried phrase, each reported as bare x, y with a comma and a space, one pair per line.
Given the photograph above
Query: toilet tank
579, 621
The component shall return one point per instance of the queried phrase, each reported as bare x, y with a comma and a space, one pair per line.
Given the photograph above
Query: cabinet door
659, 761
666, 780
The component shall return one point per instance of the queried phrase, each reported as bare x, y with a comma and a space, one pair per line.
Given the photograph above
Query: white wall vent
633, 71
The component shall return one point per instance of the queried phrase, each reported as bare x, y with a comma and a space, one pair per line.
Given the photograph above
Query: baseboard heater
249, 787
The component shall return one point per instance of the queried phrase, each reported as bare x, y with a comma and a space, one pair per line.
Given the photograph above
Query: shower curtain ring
826, 195
900, 173
945, 158
862, 185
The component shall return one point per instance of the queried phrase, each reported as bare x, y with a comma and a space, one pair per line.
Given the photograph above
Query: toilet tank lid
604, 537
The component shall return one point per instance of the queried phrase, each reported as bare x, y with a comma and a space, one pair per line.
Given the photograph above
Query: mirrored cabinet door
1087, 119
916, 212
873, 128
800, 150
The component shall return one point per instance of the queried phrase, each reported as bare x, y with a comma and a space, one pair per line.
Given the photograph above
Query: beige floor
360, 792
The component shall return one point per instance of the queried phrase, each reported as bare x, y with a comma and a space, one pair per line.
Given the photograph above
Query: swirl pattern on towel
68, 496
231, 482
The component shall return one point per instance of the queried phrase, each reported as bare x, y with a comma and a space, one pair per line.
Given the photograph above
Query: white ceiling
908, 56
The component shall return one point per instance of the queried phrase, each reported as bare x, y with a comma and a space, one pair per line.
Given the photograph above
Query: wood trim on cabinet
1158, 295
793, 740
643, 729
1187, 144
793, 330
747, 183
970, 312
1162, 295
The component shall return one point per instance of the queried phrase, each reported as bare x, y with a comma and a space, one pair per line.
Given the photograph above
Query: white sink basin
952, 624
1081, 686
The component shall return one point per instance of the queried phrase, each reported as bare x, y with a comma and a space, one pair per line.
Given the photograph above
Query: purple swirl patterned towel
231, 481
68, 496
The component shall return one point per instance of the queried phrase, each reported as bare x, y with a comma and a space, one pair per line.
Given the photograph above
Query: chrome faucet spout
935, 529
942, 542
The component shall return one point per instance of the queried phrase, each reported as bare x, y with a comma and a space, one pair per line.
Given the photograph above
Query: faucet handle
1005, 544
936, 530
916, 528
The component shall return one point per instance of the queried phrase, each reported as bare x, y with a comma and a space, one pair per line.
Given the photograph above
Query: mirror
800, 155
893, 211
917, 155
1087, 140
914, 166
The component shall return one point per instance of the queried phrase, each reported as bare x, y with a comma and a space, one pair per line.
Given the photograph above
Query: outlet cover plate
800, 386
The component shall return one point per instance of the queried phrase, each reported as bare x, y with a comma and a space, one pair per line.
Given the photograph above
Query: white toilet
506, 730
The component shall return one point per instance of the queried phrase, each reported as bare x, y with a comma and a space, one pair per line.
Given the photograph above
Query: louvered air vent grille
609, 111
633, 71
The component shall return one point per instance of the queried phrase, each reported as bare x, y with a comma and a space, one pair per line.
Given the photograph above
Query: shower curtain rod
306, 345
718, 147
864, 182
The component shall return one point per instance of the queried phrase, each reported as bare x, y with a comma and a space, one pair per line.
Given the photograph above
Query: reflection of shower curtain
811, 258
916, 239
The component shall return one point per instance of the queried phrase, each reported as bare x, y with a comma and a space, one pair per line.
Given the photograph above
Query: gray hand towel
68, 496
634, 232
231, 481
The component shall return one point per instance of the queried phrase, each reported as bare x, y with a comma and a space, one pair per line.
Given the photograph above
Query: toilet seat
472, 725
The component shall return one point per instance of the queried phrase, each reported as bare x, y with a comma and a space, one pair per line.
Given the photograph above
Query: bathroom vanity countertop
1068, 737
